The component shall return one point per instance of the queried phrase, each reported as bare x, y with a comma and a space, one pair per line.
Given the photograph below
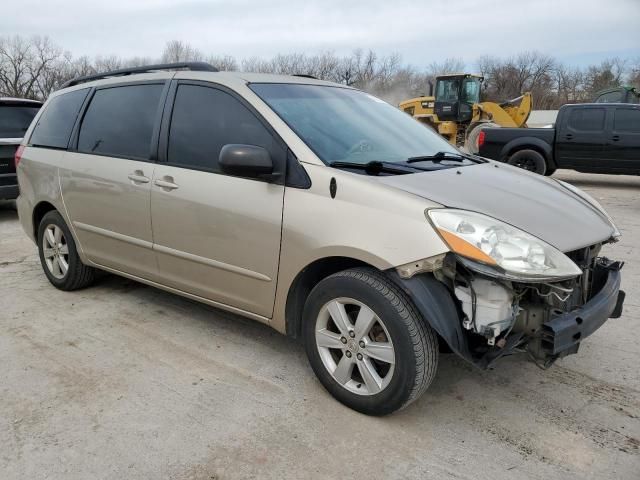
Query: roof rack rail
195, 66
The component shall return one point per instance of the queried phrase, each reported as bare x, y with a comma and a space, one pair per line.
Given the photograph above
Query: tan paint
110, 212
218, 236
383, 227
234, 243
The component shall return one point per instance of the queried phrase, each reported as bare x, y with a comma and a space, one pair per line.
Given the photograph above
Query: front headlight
506, 250
593, 202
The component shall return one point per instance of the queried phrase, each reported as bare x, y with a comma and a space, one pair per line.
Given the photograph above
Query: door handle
138, 177
568, 136
166, 183
615, 138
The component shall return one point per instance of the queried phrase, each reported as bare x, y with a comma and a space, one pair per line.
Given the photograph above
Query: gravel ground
126, 381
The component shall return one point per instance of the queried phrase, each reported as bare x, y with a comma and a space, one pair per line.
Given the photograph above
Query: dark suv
15, 117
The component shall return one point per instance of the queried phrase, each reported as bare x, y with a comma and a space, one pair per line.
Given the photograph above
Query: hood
531, 202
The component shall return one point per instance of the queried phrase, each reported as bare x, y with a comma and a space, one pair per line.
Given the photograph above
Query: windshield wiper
436, 157
375, 167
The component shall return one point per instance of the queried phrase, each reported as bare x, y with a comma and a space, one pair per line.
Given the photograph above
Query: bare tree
449, 65
23, 62
35, 67
609, 73
223, 62
178, 51
108, 63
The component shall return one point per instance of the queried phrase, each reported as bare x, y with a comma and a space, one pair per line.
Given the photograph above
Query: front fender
366, 220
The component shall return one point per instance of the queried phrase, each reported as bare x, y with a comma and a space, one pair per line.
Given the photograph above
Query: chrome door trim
211, 263
114, 235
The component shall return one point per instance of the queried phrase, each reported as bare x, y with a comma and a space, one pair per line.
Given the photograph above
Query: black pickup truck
15, 117
590, 137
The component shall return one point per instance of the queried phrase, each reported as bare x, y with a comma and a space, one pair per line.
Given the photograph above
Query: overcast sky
576, 31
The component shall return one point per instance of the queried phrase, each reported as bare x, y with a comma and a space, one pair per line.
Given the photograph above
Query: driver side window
204, 120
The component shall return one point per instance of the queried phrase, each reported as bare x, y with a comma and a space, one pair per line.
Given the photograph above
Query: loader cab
456, 95
618, 95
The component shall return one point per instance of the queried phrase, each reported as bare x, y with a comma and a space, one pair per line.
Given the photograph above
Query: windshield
345, 125
15, 120
447, 90
471, 90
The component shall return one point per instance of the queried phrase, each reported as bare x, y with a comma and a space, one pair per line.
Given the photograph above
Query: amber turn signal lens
464, 248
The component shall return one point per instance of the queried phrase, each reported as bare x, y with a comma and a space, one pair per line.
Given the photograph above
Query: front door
216, 236
106, 181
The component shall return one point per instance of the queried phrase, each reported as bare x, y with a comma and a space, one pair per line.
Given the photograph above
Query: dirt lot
126, 381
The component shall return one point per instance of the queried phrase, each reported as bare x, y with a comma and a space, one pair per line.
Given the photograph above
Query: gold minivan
321, 211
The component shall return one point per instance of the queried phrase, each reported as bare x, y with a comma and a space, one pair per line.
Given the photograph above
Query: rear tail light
18, 155
481, 138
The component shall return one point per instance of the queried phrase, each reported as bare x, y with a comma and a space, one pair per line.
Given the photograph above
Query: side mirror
245, 161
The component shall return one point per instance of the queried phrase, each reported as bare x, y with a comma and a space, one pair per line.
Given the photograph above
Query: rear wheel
529, 160
59, 256
366, 342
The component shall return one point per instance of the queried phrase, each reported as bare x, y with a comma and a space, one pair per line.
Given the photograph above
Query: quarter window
627, 120
204, 120
120, 120
587, 119
56, 122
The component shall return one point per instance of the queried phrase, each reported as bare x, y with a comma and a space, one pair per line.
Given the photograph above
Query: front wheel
366, 342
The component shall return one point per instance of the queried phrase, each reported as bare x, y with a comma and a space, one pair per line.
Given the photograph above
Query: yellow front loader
457, 113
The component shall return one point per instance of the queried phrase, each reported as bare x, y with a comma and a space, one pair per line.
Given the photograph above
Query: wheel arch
304, 282
438, 308
529, 143
39, 211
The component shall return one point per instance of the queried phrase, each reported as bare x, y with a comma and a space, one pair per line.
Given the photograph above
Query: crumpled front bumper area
562, 334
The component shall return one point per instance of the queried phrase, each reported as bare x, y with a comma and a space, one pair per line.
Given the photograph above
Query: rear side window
587, 119
15, 120
120, 120
627, 120
206, 119
56, 122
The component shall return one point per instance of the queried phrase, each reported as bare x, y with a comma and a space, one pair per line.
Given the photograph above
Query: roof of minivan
225, 78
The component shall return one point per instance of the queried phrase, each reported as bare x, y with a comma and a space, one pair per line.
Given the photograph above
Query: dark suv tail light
18, 155
481, 138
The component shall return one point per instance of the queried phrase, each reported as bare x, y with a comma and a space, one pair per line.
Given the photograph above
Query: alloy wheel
55, 251
355, 346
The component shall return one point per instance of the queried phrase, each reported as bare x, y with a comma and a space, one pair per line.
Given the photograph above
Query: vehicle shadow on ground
463, 401
254, 335
8, 210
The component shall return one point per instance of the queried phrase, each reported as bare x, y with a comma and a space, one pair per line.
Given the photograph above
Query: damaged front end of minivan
500, 291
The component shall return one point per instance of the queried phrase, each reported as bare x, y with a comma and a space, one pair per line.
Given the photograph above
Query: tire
529, 160
61, 250
471, 143
407, 343
550, 171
